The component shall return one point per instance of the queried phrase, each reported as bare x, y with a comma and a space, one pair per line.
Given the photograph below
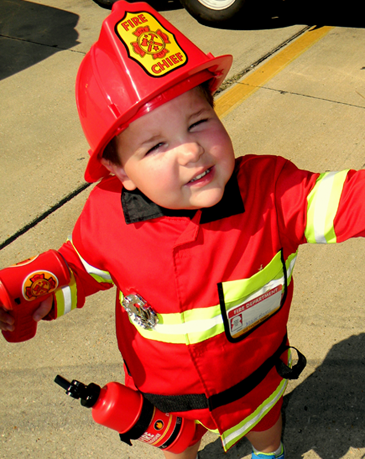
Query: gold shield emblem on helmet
150, 44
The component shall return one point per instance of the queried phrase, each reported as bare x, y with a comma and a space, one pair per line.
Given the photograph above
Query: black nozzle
76, 389
62, 382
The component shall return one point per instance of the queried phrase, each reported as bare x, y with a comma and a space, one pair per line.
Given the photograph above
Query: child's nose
190, 153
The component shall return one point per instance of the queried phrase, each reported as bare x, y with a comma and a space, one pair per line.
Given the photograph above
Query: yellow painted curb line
244, 88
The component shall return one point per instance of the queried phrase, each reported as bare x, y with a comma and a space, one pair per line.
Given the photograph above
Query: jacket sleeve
89, 250
320, 208
85, 280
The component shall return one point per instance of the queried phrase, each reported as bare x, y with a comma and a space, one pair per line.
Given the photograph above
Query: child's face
179, 155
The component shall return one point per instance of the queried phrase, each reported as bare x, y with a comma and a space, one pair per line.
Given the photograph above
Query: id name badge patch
248, 315
247, 303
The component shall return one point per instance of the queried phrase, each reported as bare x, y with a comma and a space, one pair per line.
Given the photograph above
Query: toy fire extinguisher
25, 285
129, 413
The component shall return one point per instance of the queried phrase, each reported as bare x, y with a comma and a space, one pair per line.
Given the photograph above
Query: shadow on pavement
325, 413
30, 33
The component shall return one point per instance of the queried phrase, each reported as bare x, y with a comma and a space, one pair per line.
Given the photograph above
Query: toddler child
201, 246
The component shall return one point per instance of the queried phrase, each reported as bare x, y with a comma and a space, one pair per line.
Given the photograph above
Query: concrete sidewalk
312, 112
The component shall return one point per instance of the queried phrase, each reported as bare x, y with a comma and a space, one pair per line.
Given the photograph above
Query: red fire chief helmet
139, 62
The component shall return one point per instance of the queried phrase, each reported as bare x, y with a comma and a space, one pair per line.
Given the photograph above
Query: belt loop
291, 373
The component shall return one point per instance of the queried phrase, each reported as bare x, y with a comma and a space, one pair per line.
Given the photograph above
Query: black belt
172, 403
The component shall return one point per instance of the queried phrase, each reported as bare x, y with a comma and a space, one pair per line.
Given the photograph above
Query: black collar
138, 208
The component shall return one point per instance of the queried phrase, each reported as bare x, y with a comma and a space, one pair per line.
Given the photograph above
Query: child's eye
155, 147
197, 123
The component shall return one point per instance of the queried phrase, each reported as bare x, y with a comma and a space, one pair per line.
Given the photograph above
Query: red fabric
199, 434
266, 423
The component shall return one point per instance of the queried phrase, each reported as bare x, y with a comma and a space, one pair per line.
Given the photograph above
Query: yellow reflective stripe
197, 325
232, 435
236, 292
323, 203
98, 274
216, 431
188, 327
176, 335
66, 297
290, 262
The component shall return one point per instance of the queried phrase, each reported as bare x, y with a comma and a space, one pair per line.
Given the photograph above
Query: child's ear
119, 172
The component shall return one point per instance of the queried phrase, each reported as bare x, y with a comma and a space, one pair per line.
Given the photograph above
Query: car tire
214, 12
105, 3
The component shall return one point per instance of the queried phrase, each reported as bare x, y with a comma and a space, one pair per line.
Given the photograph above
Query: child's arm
320, 208
66, 287
85, 281
24, 286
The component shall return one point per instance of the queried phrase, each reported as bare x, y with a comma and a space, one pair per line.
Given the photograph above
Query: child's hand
7, 322
44, 308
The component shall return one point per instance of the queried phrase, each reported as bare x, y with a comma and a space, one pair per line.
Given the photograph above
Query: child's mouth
200, 176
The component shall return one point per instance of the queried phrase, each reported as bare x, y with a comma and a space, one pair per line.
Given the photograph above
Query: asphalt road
294, 90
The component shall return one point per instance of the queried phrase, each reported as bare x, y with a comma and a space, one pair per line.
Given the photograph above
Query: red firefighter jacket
218, 279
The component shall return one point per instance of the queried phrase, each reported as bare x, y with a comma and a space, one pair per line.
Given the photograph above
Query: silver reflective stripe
66, 297
194, 326
98, 274
66, 291
249, 423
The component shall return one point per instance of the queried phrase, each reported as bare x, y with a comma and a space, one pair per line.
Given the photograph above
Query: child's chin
210, 200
